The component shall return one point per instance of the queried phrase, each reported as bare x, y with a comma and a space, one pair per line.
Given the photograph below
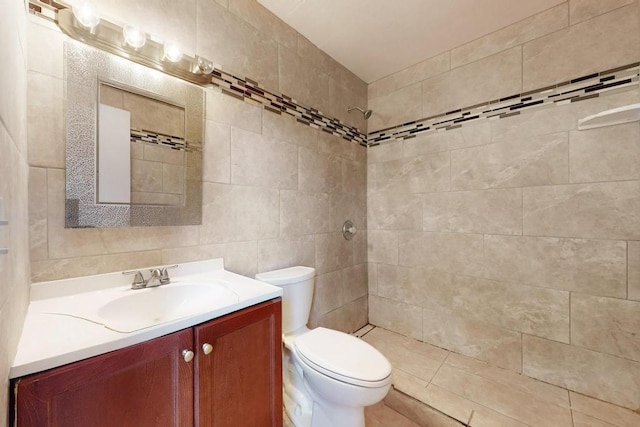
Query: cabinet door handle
207, 348
187, 355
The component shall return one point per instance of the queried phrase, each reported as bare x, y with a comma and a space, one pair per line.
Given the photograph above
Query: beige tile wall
515, 241
448, 259
572, 39
275, 192
14, 172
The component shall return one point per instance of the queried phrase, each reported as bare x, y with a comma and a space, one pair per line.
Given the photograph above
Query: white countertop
51, 340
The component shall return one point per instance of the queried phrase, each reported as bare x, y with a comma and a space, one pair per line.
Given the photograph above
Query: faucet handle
138, 279
155, 272
164, 274
154, 277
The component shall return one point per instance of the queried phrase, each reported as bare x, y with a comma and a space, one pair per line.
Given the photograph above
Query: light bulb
204, 65
172, 52
86, 13
134, 37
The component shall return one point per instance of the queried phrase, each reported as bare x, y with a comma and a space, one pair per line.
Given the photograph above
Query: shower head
365, 113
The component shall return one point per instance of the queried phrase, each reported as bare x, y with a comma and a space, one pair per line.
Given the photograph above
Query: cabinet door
148, 384
239, 384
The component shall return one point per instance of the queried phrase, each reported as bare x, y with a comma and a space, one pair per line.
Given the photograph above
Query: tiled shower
512, 237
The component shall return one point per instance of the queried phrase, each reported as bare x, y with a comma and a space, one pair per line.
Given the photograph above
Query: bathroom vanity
217, 368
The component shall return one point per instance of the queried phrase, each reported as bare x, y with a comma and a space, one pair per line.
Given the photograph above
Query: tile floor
378, 415
456, 385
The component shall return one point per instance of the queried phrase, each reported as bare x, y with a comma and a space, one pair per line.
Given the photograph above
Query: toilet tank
297, 288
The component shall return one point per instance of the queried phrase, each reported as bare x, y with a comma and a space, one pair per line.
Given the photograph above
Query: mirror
134, 143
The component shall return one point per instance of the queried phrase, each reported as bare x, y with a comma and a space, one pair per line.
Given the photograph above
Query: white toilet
328, 376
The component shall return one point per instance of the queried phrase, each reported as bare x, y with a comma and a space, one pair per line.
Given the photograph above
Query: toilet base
305, 412
298, 404
337, 416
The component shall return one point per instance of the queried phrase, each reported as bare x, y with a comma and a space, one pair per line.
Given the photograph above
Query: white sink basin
148, 307
126, 310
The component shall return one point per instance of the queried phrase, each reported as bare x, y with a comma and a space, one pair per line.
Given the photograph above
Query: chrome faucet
159, 276
154, 278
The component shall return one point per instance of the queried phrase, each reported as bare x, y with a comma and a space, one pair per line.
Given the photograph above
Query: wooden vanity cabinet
238, 383
147, 384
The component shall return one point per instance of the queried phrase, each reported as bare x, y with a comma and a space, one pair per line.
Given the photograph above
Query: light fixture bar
44, 10
108, 37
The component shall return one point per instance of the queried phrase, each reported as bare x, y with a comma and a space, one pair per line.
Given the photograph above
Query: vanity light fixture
172, 52
129, 42
134, 36
86, 13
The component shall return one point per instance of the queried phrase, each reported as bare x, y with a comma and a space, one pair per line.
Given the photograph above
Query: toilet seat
343, 357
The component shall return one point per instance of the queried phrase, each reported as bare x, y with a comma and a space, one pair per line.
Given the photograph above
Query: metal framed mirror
133, 143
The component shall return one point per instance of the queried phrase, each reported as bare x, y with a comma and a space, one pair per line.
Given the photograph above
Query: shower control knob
348, 230
187, 355
207, 348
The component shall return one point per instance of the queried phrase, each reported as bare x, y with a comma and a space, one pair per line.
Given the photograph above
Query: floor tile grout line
428, 405
516, 386
499, 384
573, 423
485, 406
444, 361
598, 416
422, 356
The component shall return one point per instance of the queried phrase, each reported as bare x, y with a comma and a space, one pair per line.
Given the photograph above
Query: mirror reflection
141, 147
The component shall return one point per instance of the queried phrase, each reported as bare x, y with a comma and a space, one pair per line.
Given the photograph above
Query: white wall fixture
615, 116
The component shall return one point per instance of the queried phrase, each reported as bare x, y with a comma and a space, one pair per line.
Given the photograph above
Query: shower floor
437, 388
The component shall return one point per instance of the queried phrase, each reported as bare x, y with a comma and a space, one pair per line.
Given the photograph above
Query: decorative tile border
578, 89
249, 91
174, 142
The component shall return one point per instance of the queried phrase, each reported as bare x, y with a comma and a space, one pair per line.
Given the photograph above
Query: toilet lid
343, 357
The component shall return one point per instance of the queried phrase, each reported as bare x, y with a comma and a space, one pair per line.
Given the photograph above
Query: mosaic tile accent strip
249, 91
578, 89
575, 90
174, 142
